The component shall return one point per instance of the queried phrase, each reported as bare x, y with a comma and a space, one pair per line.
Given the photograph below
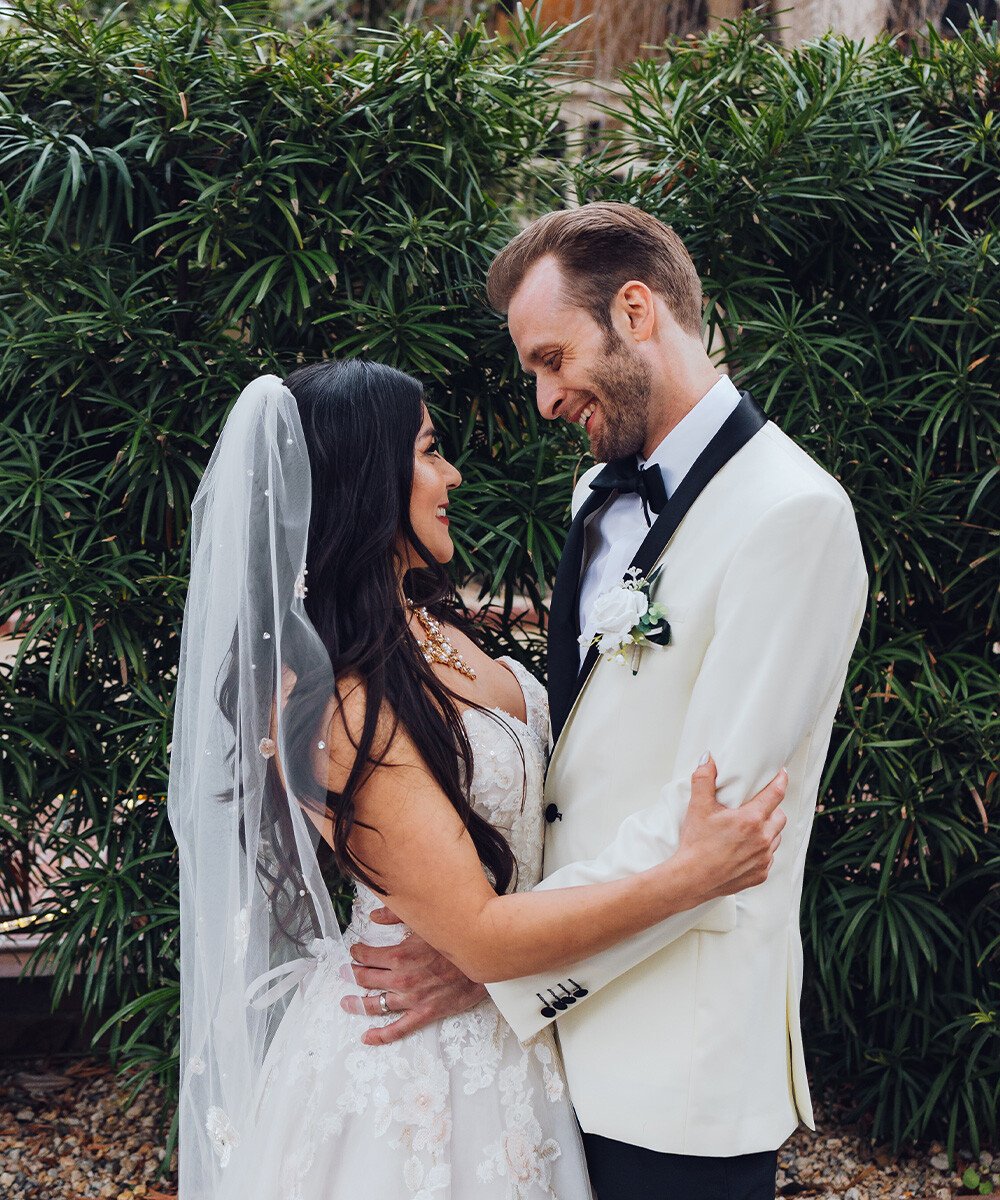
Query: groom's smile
587, 413
585, 374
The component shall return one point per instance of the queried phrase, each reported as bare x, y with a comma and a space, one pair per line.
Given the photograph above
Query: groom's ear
635, 307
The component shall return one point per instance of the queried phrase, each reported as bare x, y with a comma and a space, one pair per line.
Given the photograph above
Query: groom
684, 1056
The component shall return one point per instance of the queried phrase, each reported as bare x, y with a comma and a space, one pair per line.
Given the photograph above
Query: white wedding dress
460, 1110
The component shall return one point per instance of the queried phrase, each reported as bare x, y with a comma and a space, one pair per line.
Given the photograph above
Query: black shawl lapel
739, 427
563, 631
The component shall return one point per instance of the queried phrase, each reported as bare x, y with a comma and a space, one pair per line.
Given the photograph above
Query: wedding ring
383, 1004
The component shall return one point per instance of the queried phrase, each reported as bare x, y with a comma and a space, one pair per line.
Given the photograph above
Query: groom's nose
550, 398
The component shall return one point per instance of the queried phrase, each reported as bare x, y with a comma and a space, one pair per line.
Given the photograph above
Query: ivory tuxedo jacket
687, 1040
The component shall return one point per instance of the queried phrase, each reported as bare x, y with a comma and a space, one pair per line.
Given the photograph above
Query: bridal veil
254, 682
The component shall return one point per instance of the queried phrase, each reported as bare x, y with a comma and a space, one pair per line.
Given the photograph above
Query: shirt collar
676, 454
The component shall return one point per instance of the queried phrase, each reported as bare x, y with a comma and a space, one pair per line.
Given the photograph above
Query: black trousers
619, 1171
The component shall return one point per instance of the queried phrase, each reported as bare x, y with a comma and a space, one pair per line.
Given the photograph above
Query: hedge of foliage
184, 204
842, 204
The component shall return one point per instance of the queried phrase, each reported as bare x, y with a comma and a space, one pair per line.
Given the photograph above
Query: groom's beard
623, 383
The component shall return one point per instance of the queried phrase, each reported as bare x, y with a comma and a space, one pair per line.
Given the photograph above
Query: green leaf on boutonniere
654, 626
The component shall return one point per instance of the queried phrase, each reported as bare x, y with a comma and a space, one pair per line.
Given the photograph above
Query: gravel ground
839, 1163
65, 1133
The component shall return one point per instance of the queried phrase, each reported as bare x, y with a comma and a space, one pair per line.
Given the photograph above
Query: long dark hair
361, 421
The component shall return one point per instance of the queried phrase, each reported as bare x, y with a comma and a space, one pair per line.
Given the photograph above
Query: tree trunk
812, 18
723, 10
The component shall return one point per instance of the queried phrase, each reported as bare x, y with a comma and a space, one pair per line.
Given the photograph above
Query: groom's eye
553, 363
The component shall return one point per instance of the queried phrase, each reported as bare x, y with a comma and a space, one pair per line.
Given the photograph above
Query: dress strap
289, 975
282, 979
535, 699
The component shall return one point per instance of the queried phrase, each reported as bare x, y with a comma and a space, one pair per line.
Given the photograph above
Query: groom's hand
420, 984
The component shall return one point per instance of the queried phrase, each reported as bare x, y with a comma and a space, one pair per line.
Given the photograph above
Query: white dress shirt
616, 532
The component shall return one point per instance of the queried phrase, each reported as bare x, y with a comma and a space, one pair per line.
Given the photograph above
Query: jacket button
552, 813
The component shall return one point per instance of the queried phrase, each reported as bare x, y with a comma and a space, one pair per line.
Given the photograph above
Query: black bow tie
625, 475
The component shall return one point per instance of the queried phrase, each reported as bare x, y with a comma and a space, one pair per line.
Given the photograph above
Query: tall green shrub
841, 203
185, 204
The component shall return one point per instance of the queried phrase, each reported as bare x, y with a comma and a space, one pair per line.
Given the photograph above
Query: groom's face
583, 372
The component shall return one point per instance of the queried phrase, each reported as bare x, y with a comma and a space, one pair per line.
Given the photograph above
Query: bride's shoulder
345, 722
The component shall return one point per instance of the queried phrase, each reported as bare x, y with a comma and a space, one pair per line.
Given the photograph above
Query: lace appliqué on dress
506, 1098
522, 1153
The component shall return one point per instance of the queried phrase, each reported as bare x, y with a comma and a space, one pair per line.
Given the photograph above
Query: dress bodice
508, 772
456, 1108
506, 790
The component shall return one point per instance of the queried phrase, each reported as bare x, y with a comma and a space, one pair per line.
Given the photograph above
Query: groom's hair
599, 247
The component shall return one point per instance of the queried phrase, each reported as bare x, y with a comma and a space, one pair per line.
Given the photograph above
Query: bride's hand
731, 849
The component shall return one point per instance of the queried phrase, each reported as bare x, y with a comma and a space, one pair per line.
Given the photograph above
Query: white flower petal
223, 1134
618, 611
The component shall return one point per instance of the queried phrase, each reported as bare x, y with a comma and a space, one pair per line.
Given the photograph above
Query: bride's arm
419, 850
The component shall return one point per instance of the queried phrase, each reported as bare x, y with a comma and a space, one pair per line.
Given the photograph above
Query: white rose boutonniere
626, 621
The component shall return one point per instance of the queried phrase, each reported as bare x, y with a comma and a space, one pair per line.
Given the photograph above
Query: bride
335, 714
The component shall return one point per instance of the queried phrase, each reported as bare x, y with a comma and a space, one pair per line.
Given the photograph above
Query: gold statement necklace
435, 647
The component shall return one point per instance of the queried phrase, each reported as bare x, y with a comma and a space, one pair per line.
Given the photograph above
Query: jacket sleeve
787, 617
